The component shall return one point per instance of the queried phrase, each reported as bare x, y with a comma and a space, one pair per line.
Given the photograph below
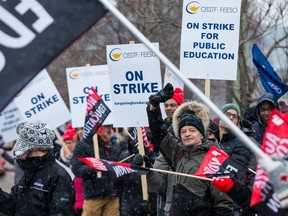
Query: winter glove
161, 96
148, 164
139, 159
223, 184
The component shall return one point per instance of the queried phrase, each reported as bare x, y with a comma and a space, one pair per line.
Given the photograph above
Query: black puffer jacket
236, 149
94, 187
46, 191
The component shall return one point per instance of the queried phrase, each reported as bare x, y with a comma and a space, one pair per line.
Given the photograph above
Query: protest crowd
55, 182
184, 161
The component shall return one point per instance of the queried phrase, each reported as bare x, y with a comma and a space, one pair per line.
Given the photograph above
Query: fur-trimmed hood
200, 110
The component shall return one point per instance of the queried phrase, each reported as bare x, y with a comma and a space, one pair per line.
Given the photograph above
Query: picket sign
63, 144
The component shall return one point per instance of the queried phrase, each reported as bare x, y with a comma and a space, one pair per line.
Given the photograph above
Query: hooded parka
190, 196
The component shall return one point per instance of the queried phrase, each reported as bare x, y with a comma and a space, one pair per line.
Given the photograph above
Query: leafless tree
263, 23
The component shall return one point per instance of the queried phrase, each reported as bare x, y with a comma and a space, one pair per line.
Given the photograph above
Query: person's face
170, 107
190, 135
71, 145
265, 110
107, 132
232, 115
34, 153
80, 132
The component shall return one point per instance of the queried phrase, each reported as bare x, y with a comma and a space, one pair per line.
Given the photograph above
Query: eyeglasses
229, 115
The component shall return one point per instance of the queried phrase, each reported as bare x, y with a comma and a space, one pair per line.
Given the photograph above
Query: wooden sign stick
63, 144
96, 151
142, 152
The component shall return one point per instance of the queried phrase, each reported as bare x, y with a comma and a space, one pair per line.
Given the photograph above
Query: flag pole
181, 174
267, 163
127, 158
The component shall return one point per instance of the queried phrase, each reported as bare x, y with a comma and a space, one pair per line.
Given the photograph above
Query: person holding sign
101, 195
46, 187
190, 125
161, 183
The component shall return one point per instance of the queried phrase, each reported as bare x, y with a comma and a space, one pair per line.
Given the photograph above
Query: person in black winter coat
230, 143
265, 104
240, 193
101, 195
45, 188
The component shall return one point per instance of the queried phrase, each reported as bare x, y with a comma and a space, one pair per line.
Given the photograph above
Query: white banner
210, 38
134, 76
9, 118
40, 100
80, 80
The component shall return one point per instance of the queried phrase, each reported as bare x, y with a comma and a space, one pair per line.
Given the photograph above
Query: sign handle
207, 87
96, 151
63, 144
142, 152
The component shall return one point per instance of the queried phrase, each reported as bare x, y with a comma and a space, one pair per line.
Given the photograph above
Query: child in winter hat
33, 135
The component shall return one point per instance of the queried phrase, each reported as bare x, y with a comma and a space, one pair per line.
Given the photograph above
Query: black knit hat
191, 120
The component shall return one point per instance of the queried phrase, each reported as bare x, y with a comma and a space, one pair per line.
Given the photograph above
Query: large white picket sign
210, 38
80, 80
40, 100
9, 118
134, 76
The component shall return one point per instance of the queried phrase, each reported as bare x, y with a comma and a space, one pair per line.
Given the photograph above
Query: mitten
161, 96
223, 184
148, 164
138, 160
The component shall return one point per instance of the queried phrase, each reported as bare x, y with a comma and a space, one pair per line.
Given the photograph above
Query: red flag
145, 138
275, 144
116, 169
218, 163
96, 113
